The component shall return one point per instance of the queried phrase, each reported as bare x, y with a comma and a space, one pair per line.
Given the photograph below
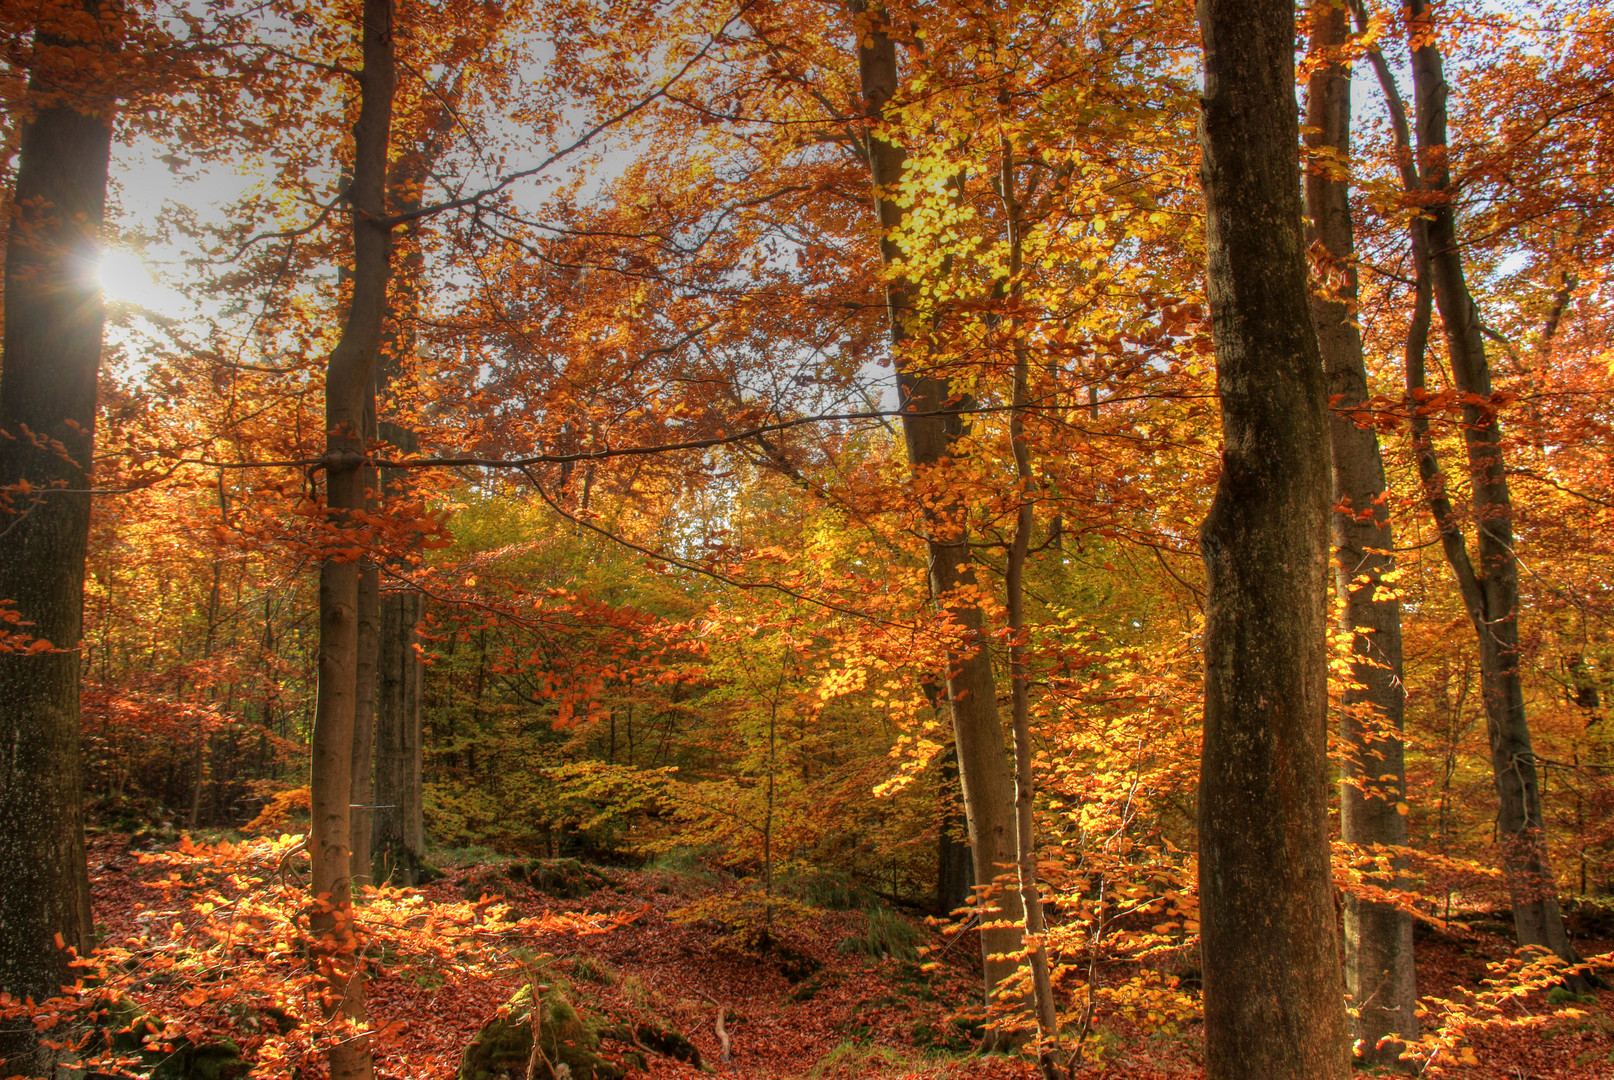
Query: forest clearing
572, 539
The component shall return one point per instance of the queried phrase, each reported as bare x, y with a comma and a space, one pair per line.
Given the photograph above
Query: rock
564, 879
569, 1042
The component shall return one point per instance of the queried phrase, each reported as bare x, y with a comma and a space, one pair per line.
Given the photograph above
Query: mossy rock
128, 1029
208, 1061
504, 1045
564, 879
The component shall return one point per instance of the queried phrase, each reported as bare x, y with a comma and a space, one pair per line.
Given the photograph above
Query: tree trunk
1272, 979
1051, 1054
1379, 974
348, 380
52, 342
361, 811
400, 834
954, 873
1490, 589
983, 762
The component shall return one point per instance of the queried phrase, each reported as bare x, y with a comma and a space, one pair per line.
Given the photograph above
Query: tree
931, 436
1379, 973
48, 376
1489, 585
1272, 978
349, 387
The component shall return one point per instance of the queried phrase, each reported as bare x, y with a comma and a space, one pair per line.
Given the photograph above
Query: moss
564, 879
504, 1045
568, 1035
127, 1028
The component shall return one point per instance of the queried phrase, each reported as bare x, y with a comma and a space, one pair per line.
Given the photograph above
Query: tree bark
399, 822
361, 811
348, 380
1051, 1053
1379, 973
978, 733
1272, 978
954, 873
1490, 588
400, 834
52, 357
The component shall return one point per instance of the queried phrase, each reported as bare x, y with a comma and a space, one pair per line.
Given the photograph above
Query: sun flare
127, 278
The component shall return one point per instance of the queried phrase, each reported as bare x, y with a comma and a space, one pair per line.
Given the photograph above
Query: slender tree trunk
52, 343
1052, 1055
361, 811
348, 379
954, 872
1273, 1003
1379, 974
983, 762
400, 839
1490, 589
399, 823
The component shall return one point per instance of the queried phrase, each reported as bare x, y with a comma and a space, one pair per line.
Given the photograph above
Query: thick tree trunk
348, 379
1379, 974
983, 762
1273, 1003
1490, 589
53, 319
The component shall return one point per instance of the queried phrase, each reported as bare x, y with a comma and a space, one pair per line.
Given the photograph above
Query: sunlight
126, 278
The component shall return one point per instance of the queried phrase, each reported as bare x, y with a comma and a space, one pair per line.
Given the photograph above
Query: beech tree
349, 398
931, 436
48, 373
1488, 583
1272, 978
1379, 974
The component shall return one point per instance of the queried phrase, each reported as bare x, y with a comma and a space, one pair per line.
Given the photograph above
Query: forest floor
818, 1002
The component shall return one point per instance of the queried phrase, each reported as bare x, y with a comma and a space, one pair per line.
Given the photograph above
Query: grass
850, 1058
886, 934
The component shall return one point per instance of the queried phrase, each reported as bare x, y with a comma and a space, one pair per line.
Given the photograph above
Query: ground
810, 998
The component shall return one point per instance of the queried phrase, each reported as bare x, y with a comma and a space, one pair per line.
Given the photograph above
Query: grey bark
1272, 978
1489, 584
983, 762
400, 834
1379, 973
361, 812
349, 375
52, 356
954, 873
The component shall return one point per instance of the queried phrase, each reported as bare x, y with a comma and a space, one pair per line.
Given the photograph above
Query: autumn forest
582, 539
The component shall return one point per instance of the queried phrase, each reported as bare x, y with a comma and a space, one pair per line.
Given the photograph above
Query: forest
577, 539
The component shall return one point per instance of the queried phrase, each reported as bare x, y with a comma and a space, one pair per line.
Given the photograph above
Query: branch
578, 143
